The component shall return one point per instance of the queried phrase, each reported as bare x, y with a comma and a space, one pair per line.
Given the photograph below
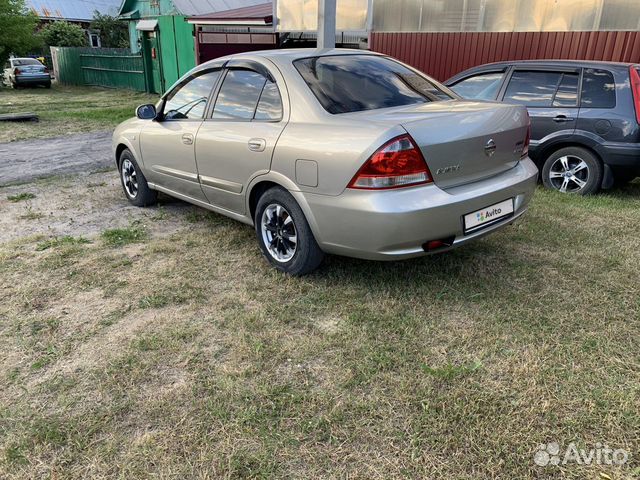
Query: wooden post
326, 23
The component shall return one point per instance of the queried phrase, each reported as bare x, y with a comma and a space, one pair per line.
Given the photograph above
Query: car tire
284, 235
573, 170
134, 183
47, 85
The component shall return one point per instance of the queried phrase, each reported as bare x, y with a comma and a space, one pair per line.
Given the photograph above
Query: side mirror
146, 112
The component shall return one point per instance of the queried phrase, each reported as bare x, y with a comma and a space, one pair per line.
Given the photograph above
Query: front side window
598, 89
353, 83
532, 88
484, 86
189, 100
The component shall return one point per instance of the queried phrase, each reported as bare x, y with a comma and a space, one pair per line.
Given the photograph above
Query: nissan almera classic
331, 151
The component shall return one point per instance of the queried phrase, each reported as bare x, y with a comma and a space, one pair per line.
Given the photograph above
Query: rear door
237, 139
551, 97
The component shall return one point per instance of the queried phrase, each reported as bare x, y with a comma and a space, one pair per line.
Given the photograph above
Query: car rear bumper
395, 224
30, 79
620, 154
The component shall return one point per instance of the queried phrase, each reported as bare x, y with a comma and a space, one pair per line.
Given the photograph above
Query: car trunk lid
463, 141
31, 69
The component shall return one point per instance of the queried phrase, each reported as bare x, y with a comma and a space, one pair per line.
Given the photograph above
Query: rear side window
567, 93
270, 104
484, 86
239, 95
598, 89
532, 88
246, 95
353, 83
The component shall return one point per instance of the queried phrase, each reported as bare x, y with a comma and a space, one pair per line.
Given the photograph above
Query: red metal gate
442, 55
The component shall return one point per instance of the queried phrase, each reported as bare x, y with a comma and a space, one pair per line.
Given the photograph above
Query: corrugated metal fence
442, 55
105, 67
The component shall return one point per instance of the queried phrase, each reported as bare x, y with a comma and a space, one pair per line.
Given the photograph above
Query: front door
238, 138
551, 97
168, 144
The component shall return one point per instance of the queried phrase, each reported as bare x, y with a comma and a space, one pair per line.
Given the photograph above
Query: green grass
191, 358
66, 109
60, 242
117, 237
21, 197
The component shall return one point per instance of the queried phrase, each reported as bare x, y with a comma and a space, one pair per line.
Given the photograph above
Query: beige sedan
344, 152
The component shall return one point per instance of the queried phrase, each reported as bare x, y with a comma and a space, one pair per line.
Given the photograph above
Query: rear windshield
18, 62
353, 83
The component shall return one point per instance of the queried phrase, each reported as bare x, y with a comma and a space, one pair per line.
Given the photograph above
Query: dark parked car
585, 116
20, 72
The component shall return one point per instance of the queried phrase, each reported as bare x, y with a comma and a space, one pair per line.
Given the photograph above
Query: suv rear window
17, 62
353, 83
598, 89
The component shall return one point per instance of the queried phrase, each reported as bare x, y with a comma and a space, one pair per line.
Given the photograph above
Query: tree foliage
17, 29
64, 34
113, 32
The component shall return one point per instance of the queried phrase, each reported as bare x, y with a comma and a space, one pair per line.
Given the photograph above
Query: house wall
442, 55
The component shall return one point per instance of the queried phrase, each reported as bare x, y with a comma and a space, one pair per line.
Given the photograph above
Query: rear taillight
635, 88
17, 71
46, 70
398, 163
525, 146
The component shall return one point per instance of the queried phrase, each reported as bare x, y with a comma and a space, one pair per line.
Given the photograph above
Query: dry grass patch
186, 356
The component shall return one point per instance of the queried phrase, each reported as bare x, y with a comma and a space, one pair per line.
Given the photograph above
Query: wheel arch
262, 183
546, 151
121, 147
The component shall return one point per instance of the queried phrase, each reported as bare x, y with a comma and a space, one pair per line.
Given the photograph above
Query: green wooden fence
105, 67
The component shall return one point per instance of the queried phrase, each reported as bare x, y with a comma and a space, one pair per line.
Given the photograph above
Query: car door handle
187, 139
562, 119
257, 144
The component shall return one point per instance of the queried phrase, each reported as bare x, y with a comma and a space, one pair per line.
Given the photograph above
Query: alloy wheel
569, 174
129, 178
279, 233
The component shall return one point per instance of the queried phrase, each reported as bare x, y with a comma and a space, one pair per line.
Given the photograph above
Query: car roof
572, 63
541, 63
289, 55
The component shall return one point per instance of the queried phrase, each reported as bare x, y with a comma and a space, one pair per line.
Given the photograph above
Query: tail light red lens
634, 74
17, 71
398, 163
46, 70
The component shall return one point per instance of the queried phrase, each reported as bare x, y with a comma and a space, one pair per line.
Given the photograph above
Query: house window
94, 40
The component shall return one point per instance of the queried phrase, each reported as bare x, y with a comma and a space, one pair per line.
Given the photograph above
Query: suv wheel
134, 182
284, 235
573, 170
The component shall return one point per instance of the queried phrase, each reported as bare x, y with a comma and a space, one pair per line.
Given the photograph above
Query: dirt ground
78, 205
82, 153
